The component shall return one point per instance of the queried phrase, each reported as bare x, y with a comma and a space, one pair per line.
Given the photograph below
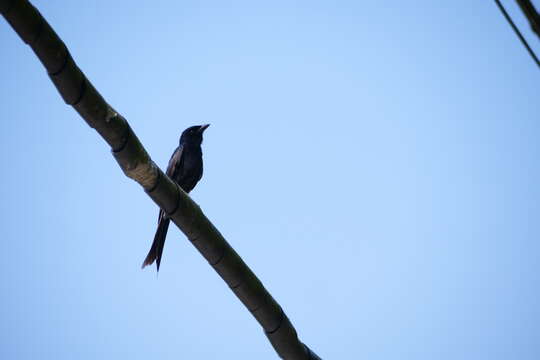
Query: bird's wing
173, 171
175, 164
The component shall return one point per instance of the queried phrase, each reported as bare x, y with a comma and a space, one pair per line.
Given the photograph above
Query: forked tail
159, 241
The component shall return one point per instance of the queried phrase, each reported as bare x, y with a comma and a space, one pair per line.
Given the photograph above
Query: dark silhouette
78, 91
186, 169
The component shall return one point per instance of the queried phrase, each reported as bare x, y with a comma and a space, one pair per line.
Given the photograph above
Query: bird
186, 169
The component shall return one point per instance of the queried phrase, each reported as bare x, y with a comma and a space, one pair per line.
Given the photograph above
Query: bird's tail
159, 241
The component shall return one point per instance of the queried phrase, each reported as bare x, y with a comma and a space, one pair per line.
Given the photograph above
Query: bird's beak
203, 127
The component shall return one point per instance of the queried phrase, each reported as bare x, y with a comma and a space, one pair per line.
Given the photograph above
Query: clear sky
375, 163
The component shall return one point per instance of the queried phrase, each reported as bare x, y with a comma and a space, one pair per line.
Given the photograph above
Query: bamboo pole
77, 91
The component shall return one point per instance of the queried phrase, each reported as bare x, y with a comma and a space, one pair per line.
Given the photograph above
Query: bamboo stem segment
77, 91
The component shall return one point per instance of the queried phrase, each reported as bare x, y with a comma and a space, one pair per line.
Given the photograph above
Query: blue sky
376, 164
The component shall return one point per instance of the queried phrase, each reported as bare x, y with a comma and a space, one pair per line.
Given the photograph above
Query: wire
532, 15
518, 33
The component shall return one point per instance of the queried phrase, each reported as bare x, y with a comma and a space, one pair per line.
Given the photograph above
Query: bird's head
193, 135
